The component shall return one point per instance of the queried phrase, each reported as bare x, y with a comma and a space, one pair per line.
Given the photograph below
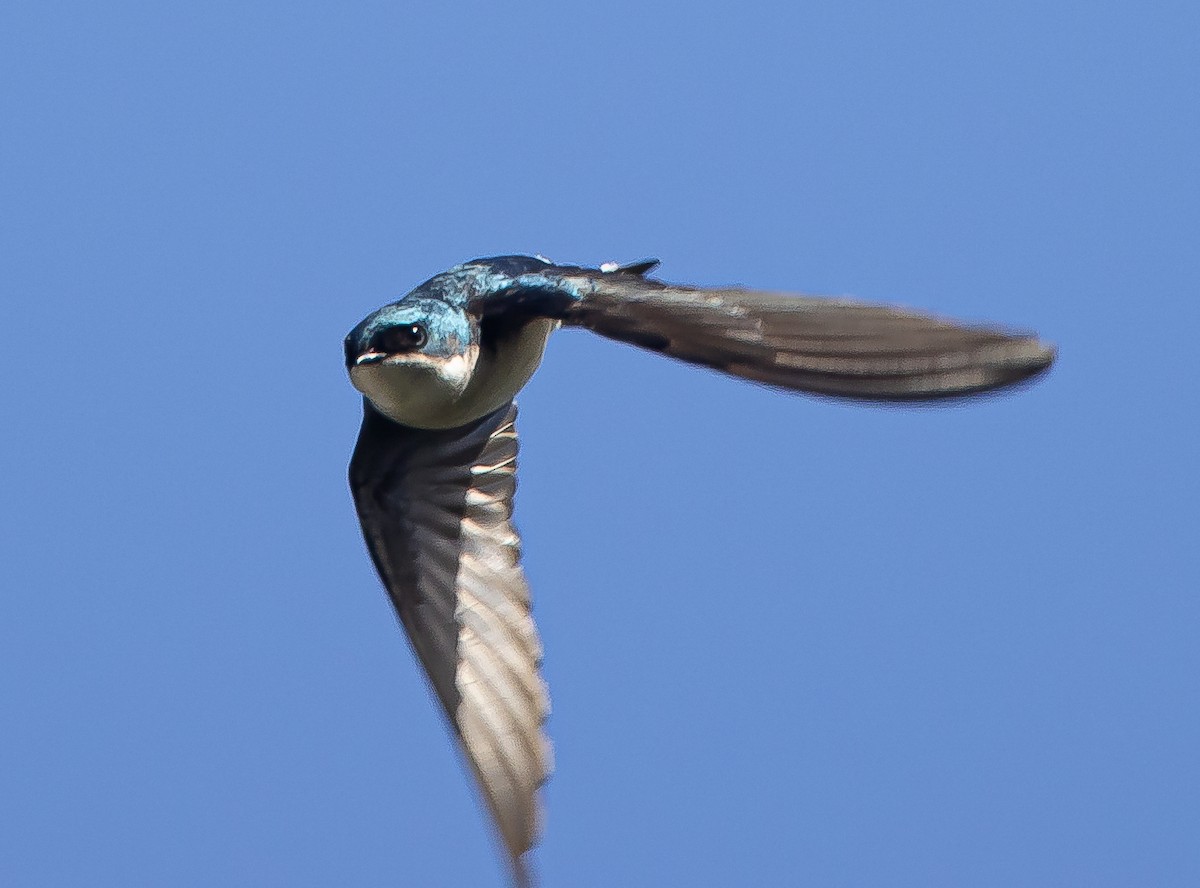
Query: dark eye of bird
410, 337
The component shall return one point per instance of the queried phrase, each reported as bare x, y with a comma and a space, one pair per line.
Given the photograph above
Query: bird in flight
434, 469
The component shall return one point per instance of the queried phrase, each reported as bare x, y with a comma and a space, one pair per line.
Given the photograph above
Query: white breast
416, 391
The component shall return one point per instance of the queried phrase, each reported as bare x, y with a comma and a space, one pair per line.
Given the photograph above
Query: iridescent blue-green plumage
434, 471
838, 347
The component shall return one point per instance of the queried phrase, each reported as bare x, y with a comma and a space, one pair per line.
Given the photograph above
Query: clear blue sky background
790, 642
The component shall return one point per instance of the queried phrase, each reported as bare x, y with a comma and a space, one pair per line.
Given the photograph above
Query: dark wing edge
436, 513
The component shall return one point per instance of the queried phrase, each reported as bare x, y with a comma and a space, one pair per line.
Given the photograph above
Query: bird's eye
408, 338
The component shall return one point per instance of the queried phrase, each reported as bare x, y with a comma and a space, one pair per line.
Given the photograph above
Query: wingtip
1016, 364
1049, 354
1033, 357
523, 875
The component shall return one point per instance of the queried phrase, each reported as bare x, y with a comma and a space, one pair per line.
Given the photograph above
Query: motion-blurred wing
828, 346
838, 347
436, 510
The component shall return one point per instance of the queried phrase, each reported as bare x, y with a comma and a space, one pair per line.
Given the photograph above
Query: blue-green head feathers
415, 324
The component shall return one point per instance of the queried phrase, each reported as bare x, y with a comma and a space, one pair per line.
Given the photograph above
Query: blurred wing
436, 507
828, 346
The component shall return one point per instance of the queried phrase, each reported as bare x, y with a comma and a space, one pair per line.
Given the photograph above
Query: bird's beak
371, 357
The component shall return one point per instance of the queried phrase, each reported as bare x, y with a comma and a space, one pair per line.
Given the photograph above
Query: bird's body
434, 470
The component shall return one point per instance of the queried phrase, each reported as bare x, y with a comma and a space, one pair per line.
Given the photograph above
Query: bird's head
414, 359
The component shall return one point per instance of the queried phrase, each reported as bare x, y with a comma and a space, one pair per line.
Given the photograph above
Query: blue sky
789, 641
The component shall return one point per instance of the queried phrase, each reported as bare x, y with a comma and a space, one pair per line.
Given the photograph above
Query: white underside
426, 393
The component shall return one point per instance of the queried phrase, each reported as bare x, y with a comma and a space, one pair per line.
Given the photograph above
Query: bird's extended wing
436, 510
839, 347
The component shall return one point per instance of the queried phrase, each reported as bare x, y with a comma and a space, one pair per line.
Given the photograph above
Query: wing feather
830, 346
436, 511
837, 347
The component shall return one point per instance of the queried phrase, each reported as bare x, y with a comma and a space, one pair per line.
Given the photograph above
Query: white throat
427, 393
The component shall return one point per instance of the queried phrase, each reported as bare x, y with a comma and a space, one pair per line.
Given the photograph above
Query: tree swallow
434, 470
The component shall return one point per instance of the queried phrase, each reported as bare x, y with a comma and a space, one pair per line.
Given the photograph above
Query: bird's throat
448, 393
